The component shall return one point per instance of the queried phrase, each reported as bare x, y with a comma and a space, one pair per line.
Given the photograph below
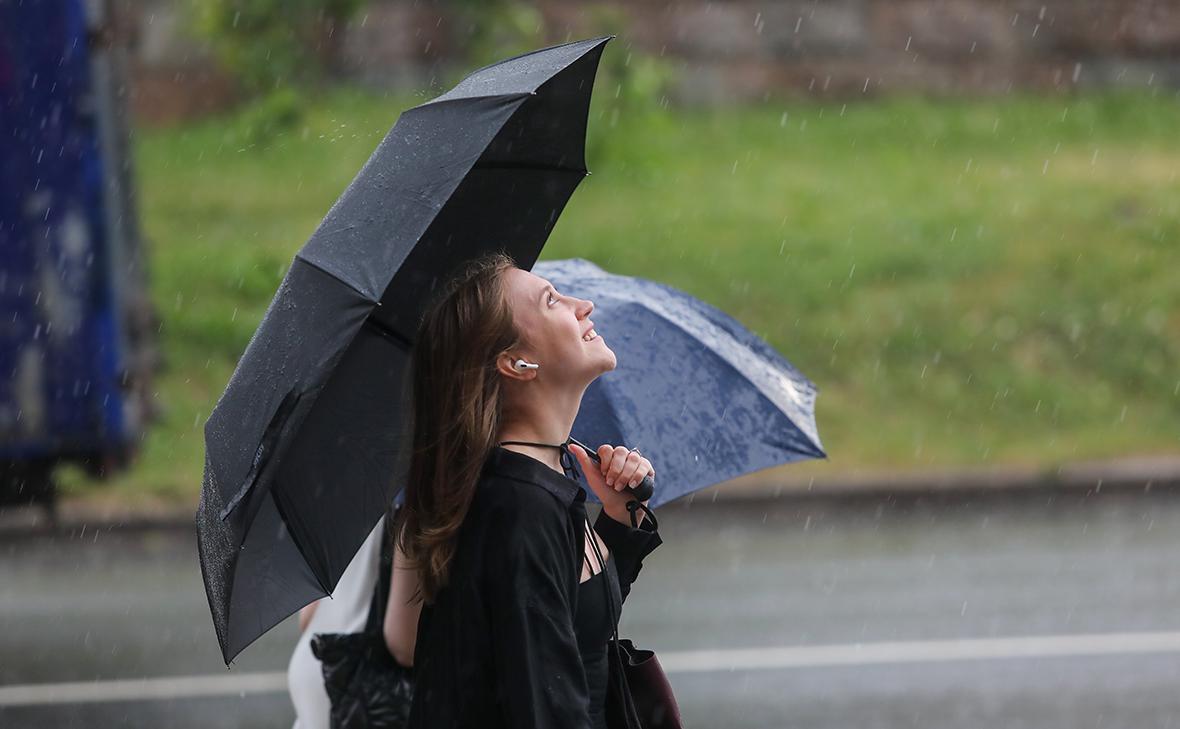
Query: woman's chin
610, 361
603, 363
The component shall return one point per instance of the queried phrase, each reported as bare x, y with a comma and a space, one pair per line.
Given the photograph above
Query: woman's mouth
590, 336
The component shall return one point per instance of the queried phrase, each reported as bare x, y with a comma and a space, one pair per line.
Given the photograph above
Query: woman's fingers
621, 467
589, 467
633, 467
612, 469
644, 469
627, 468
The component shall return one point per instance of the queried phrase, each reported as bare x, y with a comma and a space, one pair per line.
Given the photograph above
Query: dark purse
651, 697
367, 688
638, 694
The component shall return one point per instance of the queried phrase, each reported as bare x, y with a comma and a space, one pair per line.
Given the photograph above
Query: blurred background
959, 218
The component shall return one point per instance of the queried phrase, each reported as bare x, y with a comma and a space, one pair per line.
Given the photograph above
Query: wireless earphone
522, 365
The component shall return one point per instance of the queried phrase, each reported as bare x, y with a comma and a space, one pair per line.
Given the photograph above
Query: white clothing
345, 612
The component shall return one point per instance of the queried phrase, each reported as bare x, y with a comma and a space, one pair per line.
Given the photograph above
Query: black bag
638, 694
368, 689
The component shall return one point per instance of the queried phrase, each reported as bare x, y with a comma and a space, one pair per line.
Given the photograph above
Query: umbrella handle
642, 492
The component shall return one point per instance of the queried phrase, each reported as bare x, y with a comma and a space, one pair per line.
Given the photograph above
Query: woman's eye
552, 300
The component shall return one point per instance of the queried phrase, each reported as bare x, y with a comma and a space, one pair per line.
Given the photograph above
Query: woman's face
553, 325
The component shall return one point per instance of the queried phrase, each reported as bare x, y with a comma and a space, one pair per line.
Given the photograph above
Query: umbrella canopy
701, 396
306, 446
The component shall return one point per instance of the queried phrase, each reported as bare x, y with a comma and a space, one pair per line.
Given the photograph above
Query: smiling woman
549, 329
493, 533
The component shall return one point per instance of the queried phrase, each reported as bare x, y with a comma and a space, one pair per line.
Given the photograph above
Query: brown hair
457, 411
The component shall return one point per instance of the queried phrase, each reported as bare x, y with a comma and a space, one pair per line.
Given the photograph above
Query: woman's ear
506, 364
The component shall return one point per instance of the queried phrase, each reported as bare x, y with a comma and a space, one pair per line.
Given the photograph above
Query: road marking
143, 689
736, 659
926, 651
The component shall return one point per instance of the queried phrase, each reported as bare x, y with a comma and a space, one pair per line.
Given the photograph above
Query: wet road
1022, 612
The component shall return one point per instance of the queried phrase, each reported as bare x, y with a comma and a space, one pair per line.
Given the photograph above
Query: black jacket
497, 647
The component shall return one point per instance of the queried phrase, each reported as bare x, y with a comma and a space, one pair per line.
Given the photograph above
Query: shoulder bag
638, 694
367, 688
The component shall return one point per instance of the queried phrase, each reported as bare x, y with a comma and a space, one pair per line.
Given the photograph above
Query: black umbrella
306, 446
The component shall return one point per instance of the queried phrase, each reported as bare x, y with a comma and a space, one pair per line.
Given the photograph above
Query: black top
592, 624
498, 646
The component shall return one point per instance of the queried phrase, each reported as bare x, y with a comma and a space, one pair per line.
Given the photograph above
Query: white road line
739, 659
143, 689
929, 651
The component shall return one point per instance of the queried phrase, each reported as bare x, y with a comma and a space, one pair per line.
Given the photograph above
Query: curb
1137, 474
78, 518
1132, 475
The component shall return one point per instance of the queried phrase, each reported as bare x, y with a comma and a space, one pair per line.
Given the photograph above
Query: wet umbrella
704, 398
306, 446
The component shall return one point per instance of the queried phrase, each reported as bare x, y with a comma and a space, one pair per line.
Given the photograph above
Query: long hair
456, 412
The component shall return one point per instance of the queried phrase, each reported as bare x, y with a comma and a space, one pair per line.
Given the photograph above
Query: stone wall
843, 48
736, 50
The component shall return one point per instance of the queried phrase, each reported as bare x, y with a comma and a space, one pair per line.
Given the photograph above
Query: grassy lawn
967, 282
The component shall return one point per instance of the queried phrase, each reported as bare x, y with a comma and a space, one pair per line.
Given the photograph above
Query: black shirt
593, 626
498, 646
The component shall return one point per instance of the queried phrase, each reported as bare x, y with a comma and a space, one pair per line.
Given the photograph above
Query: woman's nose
587, 307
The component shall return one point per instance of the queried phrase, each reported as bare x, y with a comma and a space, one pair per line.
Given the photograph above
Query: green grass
968, 282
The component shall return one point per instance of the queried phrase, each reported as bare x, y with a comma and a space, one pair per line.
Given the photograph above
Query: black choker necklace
567, 458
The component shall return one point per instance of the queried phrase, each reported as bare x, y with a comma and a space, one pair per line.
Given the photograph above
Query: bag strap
610, 603
376, 620
624, 688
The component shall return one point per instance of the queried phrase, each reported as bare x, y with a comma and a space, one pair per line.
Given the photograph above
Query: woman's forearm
401, 612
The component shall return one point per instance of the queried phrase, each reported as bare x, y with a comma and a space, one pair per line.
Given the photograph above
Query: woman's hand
617, 469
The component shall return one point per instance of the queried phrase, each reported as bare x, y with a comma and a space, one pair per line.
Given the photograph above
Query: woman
501, 607
346, 612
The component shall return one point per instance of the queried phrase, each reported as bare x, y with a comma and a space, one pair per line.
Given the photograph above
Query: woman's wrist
623, 516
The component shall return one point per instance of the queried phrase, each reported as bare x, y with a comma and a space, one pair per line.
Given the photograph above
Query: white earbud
522, 365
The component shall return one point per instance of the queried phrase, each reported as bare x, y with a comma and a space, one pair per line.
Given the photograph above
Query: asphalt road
1035, 611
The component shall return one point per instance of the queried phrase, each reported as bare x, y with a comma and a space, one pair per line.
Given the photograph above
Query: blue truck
77, 330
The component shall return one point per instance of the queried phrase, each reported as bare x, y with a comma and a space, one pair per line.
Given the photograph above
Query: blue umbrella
701, 396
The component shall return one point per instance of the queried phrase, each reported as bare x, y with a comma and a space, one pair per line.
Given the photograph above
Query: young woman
497, 599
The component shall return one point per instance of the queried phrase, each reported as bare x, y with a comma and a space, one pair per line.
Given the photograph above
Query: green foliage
632, 86
268, 43
967, 282
272, 47
495, 29
264, 118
